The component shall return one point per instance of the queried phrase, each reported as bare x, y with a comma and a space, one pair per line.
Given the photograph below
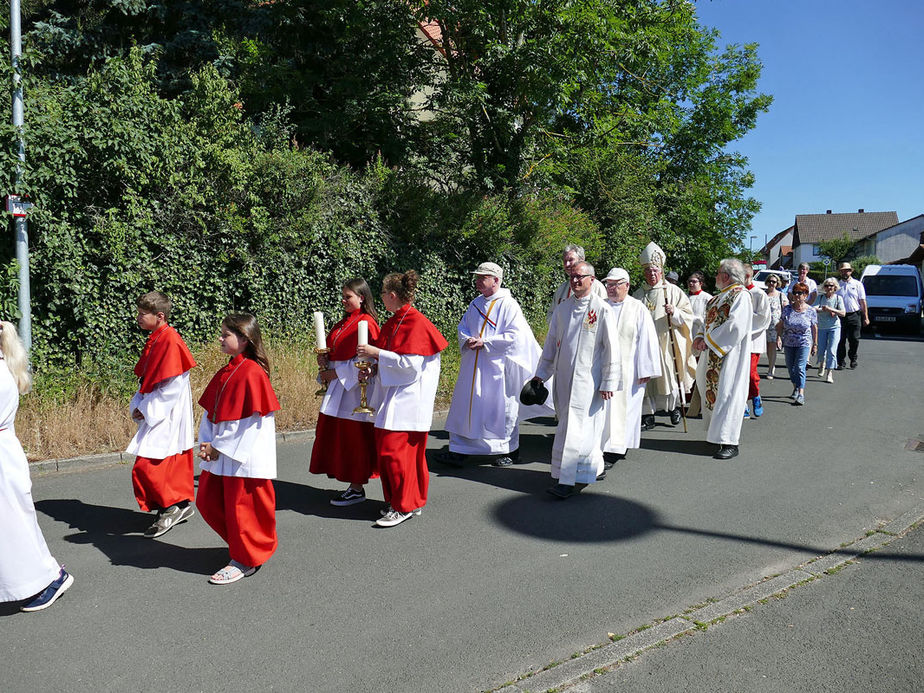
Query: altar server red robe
236, 496
403, 397
344, 442
163, 471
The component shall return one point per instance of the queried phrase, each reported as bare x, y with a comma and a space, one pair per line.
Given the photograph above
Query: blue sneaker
758, 407
747, 412
50, 594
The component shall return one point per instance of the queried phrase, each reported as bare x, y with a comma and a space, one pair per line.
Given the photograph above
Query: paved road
496, 579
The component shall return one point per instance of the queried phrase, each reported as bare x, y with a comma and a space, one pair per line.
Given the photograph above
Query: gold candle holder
363, 407
323, 390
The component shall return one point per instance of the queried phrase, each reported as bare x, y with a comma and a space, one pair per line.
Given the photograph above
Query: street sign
17, 206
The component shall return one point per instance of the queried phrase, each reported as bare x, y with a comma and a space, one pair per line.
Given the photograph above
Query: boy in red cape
162, 476
237, 445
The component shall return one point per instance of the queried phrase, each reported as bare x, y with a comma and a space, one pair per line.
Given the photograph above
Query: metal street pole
19, 222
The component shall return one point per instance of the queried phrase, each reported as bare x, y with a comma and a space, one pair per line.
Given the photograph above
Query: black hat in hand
534, 392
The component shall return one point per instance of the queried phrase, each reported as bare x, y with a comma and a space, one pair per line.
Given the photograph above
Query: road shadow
685, 446
117, 533
878, 554
585, 518
516, 478
309, 500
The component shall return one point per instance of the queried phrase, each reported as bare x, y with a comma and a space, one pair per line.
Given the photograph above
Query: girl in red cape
344, 443
237, 445
162, 476
408, 372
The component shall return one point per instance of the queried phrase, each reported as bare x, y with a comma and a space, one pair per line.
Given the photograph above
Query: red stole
238, 391
409, 332
343, 336
165, 355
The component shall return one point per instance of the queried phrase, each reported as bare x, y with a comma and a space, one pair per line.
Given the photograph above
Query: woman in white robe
27, 568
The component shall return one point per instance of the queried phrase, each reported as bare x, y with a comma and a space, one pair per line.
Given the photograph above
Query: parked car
894, 296
760, 278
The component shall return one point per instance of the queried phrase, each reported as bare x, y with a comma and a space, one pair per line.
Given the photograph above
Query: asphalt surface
497, 580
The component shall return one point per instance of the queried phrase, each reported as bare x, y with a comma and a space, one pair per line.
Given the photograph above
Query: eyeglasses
580, 277
800, 293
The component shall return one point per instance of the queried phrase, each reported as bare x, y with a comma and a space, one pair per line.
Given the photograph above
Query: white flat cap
490, 269
616, 274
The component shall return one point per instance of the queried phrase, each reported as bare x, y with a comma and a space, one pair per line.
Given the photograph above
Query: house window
816, 250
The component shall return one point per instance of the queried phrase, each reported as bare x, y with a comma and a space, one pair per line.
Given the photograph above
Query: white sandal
232, 572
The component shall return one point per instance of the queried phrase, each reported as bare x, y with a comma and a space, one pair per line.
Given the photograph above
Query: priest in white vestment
498, 356
722, 374
673, 317
580, 351
571, 255
639, 360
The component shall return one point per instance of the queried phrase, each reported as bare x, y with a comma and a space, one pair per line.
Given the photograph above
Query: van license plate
885, 318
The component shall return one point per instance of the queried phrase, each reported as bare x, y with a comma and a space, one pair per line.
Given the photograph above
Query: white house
778, 250
899, 241
812, 229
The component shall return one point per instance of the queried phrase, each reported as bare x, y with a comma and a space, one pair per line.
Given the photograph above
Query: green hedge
135, 192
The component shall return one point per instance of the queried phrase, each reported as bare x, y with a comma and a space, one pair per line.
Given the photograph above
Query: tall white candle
362, 333
319, 332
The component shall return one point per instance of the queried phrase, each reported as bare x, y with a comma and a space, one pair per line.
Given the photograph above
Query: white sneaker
830, 378
821, 372
393, 518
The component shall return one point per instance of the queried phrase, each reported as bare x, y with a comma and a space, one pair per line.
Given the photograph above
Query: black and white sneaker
349, 497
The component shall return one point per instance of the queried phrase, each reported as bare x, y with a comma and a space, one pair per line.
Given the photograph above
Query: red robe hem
158, 484
243, 513
344, 450
403, 466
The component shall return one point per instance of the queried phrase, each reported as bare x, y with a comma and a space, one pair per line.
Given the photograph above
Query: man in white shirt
580, 351
854, 294
803, 277
498, 355
571, 256
639, 360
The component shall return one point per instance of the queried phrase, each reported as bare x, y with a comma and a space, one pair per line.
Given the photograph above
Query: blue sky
846, 127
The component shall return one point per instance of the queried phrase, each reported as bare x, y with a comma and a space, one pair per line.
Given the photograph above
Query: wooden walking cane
680, 388
471, 395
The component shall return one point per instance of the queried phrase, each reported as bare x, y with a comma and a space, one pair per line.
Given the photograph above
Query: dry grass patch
93, 418
90, 417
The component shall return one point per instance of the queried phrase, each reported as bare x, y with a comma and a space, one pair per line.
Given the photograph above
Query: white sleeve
206, 430
235, 439
156, 405
347, 373
399, 369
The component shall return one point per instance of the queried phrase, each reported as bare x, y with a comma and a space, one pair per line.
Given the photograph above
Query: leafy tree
837, 249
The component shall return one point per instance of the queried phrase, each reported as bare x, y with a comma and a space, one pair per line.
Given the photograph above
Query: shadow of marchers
515, 478
308, 500
695, 448
10, 608
106, 528
586, 518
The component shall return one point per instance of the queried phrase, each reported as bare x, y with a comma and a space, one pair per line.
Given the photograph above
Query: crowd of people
610, 363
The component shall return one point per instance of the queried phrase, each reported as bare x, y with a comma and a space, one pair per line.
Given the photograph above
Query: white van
894, 296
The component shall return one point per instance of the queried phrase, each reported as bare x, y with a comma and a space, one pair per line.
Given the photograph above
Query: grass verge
84, 412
